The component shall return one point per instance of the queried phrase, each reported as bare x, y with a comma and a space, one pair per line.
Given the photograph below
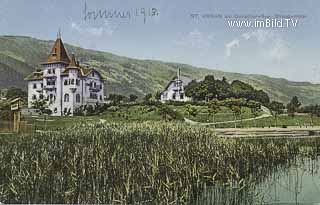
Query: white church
174, 91
64, 83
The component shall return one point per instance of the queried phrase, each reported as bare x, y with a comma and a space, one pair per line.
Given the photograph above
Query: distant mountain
19, 56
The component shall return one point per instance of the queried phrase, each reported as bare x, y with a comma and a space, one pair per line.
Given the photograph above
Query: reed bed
135, 163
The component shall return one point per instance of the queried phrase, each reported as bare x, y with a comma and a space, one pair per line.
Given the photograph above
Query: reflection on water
297, 184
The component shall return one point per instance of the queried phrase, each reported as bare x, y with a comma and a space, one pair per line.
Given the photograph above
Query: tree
191, 88
312, 110
147, 97
211, 88
276, 109
236, 110
115, 98
243, 90
133, 98
293, 106
223, 89
5, 113
255, 108
165, 111
191, 110
16, 93
158, 95
42, 107
235, 105
213, 108
262, 97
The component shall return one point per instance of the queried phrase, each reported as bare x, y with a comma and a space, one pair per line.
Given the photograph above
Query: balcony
95, 89
50, 75
50, 87
38, 89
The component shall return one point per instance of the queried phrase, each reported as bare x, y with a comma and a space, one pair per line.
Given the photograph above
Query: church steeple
58, 52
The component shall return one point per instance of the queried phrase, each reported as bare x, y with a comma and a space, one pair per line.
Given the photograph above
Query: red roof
58, 53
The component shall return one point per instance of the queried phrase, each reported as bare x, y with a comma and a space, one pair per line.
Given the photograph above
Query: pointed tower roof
58, 52
73, 62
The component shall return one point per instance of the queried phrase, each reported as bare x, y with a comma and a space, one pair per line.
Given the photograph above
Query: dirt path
266, 114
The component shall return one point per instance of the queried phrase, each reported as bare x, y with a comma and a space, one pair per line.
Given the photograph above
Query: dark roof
185, 81
58, 53
82, 71
37, 75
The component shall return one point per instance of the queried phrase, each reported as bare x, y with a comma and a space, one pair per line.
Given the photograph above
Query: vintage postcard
159, 102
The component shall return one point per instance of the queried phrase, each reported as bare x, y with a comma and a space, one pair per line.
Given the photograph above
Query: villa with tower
65, 83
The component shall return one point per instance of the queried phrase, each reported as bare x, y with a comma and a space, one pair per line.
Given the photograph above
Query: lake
298, 183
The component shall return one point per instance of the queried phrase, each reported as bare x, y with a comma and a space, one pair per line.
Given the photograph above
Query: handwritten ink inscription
119, 14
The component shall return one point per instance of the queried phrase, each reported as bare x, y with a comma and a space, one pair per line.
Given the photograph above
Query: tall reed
133, 163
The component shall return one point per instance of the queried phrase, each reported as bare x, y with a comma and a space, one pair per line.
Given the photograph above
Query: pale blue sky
292, 53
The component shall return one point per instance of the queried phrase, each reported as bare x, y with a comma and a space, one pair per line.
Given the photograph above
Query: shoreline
272, 132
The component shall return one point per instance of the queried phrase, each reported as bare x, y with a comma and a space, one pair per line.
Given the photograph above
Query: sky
183, 31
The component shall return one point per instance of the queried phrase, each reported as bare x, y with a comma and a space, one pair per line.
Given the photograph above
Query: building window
94, 84
100, 86
49, 71
34, 86
65, 82
41, 85
51, 82
92, 74
34, 97
93, 96
66, 98
77, 82
53, 71
174, 96
51, 97
72, 81
101, 97
78, 98
181, 96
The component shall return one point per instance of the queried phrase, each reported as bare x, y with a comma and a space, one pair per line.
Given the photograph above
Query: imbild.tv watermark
264, 23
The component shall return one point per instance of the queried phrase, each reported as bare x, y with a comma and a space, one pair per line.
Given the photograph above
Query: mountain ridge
20, 55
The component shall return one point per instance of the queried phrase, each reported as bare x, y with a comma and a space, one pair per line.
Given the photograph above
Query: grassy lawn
51, 122
140, 113
282, 121
225, 114
132, 113
121, 114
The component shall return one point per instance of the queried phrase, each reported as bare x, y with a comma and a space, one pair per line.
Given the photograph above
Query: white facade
175, 90
66, 86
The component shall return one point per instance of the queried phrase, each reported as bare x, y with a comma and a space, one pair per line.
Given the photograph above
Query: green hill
19, 56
